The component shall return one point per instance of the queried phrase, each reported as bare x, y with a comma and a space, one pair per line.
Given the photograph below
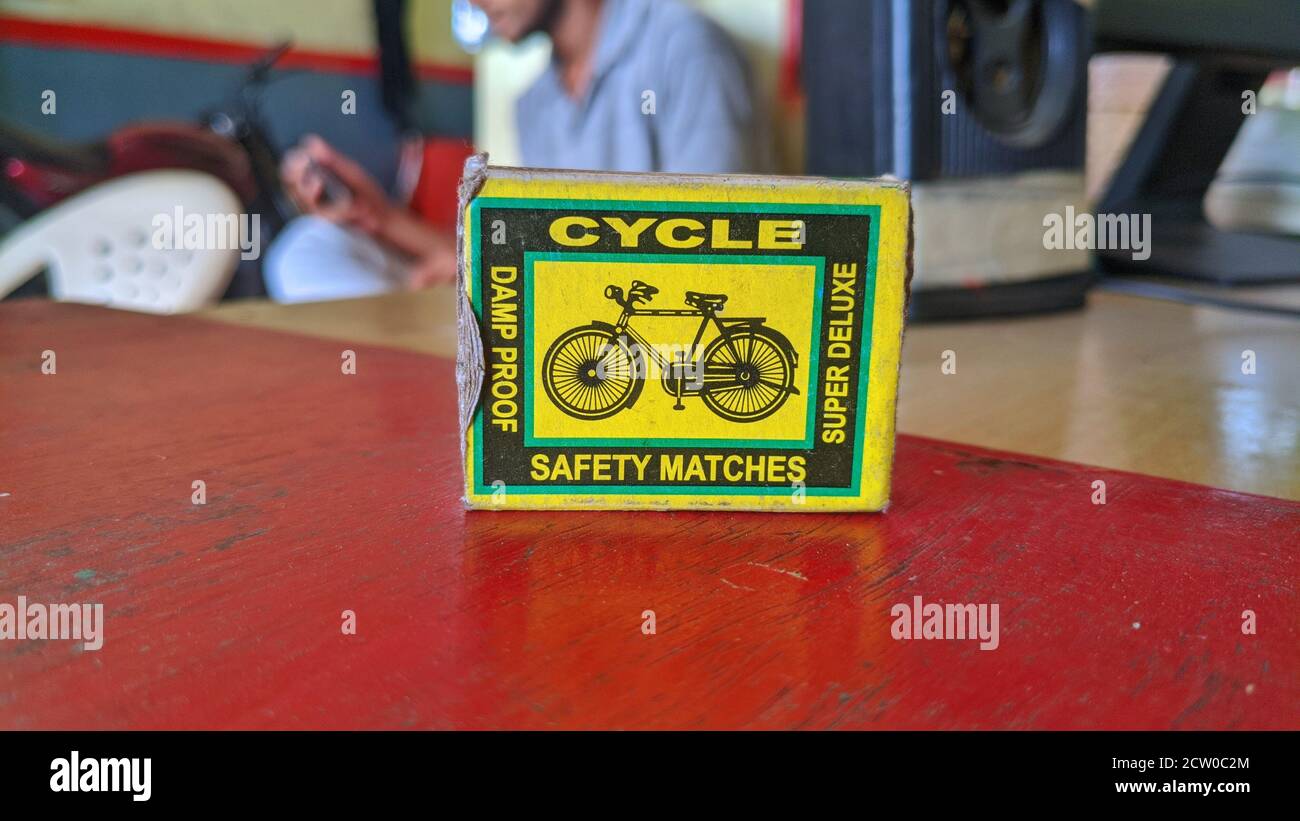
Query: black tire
754, 382
588, 375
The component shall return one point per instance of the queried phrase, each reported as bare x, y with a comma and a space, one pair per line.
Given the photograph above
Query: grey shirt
669, 91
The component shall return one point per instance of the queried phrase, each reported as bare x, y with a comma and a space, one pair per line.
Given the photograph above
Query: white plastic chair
101, 246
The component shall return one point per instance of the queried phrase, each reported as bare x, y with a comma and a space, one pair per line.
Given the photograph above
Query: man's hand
366, 208
435, 268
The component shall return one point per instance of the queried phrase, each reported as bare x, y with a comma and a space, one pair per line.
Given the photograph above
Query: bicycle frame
623, 327
719, 382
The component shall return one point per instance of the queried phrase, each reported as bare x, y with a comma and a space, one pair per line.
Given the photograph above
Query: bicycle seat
32, 147
705, 302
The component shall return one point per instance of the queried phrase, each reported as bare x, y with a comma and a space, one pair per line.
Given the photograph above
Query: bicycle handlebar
256, 73
639, 292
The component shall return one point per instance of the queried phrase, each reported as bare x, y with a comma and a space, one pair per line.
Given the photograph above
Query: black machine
1221, 49
982, 104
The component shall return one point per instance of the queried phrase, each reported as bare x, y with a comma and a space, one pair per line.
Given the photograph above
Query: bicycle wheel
589, 376
748, 379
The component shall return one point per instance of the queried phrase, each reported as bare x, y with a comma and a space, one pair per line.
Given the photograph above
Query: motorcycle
230, 141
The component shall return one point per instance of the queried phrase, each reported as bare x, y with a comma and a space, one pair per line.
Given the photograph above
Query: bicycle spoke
765, 359
568, 359
567, 385
574, 392
746, 376
725, 387
588, 375
603, 391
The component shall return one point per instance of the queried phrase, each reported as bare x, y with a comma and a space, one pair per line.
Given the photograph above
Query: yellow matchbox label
667, 342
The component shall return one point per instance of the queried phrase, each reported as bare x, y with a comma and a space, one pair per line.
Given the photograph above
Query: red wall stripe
25, 31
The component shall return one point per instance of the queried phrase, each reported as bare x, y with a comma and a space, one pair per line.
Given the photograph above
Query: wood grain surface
1129, 383
328, 492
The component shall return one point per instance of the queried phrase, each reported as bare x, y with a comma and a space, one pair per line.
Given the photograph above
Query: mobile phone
334, 191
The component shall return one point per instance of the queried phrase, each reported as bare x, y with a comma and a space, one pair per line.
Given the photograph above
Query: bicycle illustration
743, 375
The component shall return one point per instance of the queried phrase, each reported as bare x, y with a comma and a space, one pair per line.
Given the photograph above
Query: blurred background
315, 148
93, 90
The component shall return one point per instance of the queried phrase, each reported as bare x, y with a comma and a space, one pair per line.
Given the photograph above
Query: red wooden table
329, 492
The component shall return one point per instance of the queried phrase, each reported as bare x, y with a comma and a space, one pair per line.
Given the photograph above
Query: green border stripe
813, 360
864, 368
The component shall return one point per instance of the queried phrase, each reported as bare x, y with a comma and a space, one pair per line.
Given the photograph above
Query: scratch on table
231, 541
801, 577
736, 586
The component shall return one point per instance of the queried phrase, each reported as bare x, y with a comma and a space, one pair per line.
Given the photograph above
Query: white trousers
313, 260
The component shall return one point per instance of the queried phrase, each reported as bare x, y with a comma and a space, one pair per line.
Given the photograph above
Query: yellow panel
565, 422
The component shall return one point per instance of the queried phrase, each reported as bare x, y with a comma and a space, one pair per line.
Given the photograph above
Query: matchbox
656, 341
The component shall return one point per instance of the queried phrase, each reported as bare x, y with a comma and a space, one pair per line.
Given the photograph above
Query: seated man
633, 85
